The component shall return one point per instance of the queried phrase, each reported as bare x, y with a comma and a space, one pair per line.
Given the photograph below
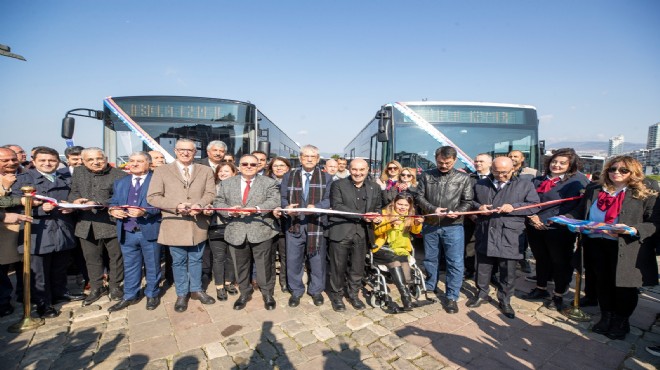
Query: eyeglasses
185, 150
622, 170
245, 164
392, 168
406, 175
280, 166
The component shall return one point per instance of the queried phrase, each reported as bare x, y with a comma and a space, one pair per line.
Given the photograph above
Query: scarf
548, 184
390, 183
295, 195
610, 204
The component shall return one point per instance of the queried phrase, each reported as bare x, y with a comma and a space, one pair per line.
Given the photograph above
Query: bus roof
468, 103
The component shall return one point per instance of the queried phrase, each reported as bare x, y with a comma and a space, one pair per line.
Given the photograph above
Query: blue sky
320, 70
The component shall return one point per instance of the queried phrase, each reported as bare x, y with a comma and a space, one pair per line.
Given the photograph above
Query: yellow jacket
394, 235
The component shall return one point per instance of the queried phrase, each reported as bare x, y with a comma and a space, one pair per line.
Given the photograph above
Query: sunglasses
622, 170
406, 175
245, 164
392, 168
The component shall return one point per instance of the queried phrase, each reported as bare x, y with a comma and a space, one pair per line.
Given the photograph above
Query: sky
321, 69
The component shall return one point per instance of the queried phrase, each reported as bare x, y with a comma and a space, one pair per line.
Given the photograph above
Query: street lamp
69, 123
6, 51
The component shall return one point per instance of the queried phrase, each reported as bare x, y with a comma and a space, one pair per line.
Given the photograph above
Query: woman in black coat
553, 245
620, 197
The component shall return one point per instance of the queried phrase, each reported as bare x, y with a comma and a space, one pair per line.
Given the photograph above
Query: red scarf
390, 184
611, 205
548, 184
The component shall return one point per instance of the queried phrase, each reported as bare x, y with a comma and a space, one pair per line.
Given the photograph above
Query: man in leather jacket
443, 191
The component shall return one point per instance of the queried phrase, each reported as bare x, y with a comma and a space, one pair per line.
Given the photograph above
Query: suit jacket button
188, 198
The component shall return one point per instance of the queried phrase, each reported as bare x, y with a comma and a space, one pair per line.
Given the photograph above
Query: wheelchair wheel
416, 291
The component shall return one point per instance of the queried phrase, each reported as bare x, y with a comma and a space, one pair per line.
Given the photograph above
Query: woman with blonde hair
621, 197
389, 180
393, 246
407, 180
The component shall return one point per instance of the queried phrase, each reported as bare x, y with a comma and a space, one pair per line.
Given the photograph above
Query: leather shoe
47, 311
338, 305
476, 302
269, 302
202, 297
285, 289
181, 303
221, 294
294, 301
123, 304
317, 299
95, 296
451, 306
69, 297
152, 303
356, 303
507, 310
6, 309
536, 294
231, 289
242, 301
116, 294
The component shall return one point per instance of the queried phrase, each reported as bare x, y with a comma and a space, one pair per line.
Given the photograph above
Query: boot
603, 326
399, 281
619, 327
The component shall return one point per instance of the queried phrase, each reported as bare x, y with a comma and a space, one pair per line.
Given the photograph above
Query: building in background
653, 140
616, 146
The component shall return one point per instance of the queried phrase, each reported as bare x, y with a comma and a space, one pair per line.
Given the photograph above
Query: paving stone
222, 363
406, 317
267, 350
74, 360
379, 350
150, 329
323, 333
315, 350
285, 344
112, 352
88, 324
214, 350
373, 363
379, 330
305, 338
293, 327
314, 320
428, 363
364, 336
154, 365
154, 348
113, 364
391, 323
253, 338
117, 324
408, 351
193, 360
235, 345
403, 365
87, 340
340, 328
82, 311
358, 322
340, 343
392, 341
332, 316
41, 364
375, 314
295, 357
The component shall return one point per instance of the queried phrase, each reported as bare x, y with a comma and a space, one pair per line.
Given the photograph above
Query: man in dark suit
306, 187
92, 185
137, 230
349, 234
249, 231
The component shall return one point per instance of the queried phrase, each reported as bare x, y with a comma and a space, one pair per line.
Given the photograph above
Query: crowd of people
234, 220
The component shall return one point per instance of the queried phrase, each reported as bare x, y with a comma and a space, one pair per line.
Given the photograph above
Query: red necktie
246, 191
611, 205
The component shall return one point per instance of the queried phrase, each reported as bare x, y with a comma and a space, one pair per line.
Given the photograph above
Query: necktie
246, 191
49, 176
306, 187
500, 185
138, 185
186, 175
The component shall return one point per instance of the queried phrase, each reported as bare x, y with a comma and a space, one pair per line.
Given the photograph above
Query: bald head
502, 169
8, 161
331, 167
359, 170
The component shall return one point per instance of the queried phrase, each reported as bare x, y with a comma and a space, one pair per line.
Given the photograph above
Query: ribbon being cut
592, 227
65, 204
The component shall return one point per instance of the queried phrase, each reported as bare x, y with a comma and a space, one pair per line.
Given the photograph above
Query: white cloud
302, 132
546, 118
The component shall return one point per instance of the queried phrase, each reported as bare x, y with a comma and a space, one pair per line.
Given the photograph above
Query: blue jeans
187, 268
135, 250
450, 239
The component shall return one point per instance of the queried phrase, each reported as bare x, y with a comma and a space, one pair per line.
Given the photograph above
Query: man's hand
418, 220
118, 213
8, 180
441, 212
235, 213
452, 214
195, 209
294, 205
373, 217
486, 207
277, 212
207, 211
47, 207
183, 209
505, 208
14, 218
136, 211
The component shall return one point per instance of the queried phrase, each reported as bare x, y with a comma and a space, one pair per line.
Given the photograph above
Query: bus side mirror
264, 146
68, 126
384, 116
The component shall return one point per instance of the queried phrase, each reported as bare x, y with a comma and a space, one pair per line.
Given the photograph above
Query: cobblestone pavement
310, 337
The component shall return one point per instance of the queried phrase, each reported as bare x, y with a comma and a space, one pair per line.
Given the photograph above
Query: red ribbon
611, 205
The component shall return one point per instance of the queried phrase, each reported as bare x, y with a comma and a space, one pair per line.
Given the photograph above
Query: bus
135, 123
410, 132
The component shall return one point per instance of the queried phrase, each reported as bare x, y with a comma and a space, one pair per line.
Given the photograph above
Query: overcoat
257, 227
343, 198
51, 231
169, 189
643, 215
501, 234
9, 233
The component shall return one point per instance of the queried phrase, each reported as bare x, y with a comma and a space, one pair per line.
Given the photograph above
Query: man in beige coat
180, 189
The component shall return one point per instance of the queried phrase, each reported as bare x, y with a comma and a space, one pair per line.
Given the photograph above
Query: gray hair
93, 149
218, 143
309, 148
146, 155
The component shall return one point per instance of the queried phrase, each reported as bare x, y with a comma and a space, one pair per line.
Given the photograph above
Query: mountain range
592, 147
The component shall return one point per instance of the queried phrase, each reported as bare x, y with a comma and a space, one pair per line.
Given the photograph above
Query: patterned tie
246, 191
186, 175
306, 187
